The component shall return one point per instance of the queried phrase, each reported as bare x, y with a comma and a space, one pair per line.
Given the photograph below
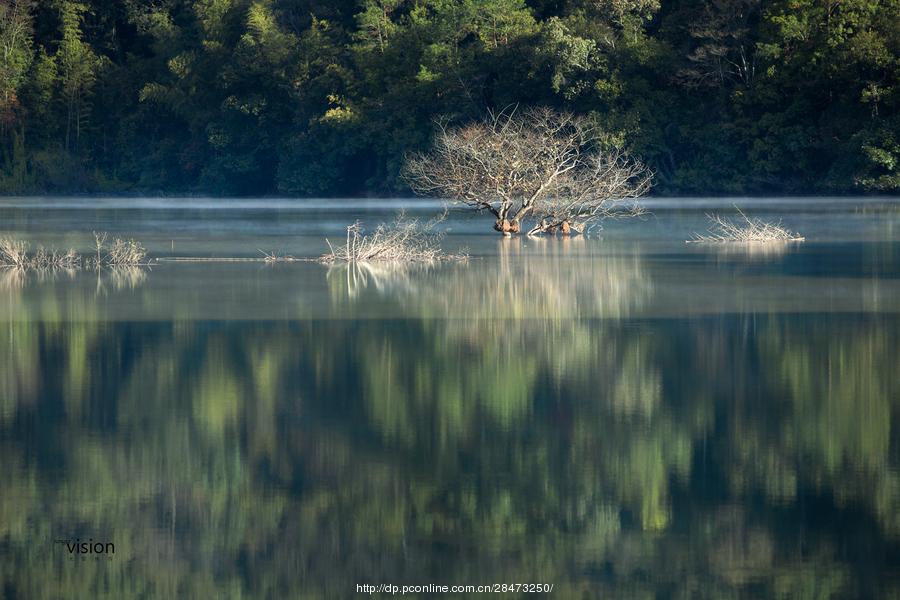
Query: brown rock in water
565, 228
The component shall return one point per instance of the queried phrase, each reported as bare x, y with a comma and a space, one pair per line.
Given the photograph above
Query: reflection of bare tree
753, 250
16, 278
525, 316
12, 279
129, 278
544, 280
353, 279
52, 275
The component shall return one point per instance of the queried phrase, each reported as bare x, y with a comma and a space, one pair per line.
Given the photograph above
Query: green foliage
324, 98
16, 57
78, 65
15, 52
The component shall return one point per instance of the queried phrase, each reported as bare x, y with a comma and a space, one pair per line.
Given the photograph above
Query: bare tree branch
536, 164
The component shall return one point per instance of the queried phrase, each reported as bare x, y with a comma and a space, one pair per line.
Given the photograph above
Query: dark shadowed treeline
316, 97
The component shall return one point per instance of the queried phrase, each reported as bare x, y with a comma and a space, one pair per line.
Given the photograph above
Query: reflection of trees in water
120, 278
544, 279
753, 250
492, 331
123, 278
353, 279
834, 429
14, 279
289, 459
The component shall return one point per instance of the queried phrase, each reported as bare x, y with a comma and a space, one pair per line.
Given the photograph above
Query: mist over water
623, 415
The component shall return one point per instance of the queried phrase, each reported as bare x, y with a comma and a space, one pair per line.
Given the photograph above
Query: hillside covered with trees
323, 97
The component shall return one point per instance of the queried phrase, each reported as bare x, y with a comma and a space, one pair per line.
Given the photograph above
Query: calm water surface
624, 416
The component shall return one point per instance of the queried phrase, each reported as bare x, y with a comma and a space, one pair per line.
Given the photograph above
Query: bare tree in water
539, 166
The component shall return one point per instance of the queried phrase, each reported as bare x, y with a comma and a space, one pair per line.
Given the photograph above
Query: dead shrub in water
55, 259
403, 241
14, 253
124, 253
121, 253
748, 230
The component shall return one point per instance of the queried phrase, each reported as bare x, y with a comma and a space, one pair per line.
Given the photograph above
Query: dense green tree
77, 69
15, 62
17, 55
324, 98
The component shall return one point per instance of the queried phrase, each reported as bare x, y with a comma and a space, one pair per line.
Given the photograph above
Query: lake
621, 416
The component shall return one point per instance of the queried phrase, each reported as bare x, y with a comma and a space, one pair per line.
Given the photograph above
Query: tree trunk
507, 226
545, 226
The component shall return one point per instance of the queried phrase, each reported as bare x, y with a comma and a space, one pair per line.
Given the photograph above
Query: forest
327, 98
